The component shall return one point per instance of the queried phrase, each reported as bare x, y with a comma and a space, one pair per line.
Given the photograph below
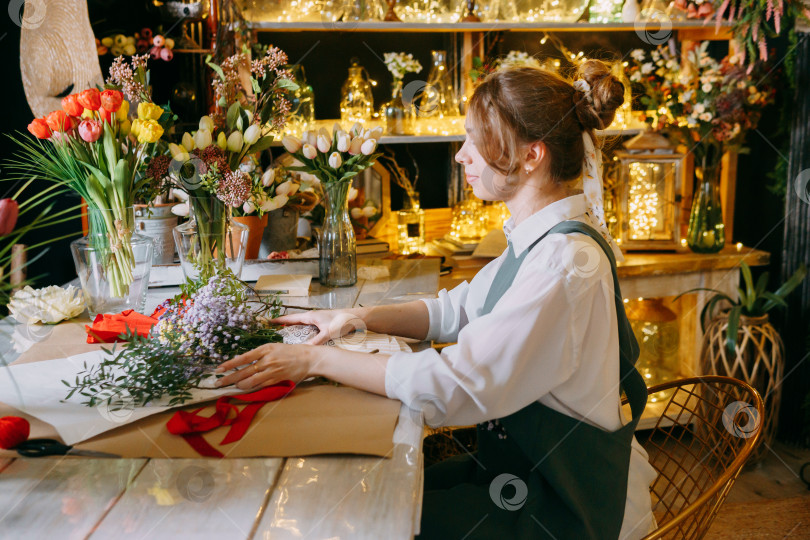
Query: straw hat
57, 50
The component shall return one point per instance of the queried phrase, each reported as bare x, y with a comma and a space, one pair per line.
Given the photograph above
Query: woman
543, 343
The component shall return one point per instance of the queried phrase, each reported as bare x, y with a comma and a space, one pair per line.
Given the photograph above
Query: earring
528, 170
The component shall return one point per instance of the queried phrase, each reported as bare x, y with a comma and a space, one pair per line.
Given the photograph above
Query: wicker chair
707, 430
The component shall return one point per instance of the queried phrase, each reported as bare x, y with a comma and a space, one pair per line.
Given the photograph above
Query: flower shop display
214, 319
438, 97
335, 158
156, 46
708, 106
740, 341
93, 148
356, 99
252, 107
48, 305
399, 113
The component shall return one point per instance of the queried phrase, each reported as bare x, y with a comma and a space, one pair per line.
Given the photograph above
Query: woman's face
487, 184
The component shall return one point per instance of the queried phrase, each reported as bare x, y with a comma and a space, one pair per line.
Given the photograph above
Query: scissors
51, 447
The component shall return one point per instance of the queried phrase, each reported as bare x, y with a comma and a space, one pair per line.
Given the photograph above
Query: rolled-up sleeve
445, 313
502, 362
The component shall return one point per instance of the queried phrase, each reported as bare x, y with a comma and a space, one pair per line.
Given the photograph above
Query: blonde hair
517, 106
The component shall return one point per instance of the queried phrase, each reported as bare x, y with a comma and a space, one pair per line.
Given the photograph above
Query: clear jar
411, 228
438, 97
356, 100
112, 262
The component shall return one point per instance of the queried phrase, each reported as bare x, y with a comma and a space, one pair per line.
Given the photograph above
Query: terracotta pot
255, 227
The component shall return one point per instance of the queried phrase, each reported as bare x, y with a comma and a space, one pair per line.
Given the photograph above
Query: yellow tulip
149, 111
122, 113
149, 132
125, 127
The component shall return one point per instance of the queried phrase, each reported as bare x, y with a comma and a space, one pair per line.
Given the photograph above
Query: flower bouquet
335, 158
92, 148
708, 106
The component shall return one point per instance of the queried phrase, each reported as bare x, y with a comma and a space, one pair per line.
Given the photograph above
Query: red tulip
90, 99
8, 215
106, 116
111, 100
90, 130
59, 121
39, 128
71, 106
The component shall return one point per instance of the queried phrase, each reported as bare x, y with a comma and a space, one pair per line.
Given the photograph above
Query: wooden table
334, 496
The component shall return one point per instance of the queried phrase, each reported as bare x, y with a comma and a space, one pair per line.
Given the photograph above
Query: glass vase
113, 262
356, 100
302, 103
210, 240
398, 115
706, 233
438, 98
337, 245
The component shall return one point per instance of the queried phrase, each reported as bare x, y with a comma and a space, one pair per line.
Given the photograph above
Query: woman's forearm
406, 320
356, 369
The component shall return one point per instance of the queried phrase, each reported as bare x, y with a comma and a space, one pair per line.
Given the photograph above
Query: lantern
651, 179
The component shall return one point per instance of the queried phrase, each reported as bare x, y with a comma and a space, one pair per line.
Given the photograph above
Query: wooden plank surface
60, 497
5, 462
193, 498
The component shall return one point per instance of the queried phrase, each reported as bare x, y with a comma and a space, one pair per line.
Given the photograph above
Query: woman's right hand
331, 323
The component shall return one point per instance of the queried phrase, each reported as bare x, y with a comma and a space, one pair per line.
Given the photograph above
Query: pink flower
90, 130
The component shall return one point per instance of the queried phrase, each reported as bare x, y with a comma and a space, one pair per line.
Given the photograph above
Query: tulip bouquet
335, 158
92, 147
277, 188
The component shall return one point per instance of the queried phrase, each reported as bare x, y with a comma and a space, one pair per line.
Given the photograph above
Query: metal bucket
157, 222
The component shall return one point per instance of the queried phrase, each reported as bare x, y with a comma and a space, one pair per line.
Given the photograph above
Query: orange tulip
71, 106
59, 121
9, 209
90, 99
39, 128
111, 100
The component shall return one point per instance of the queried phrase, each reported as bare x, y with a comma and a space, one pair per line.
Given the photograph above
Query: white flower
368, 147
222, 141
356, 146
353, 192
369, 211
274, 203
248, 207
203, 139
309, 151
376, 133
336, 128
356, 130
706, 87
343, 141
291, 144
310, 137
235, 141
636, 76
180, 209
647, 68
637, 55
187, 141
268, 177
177, 150
324, 144
178, 194
700, 108
253, 134
286, 188
357, 213
48, 305
335, 161
207, 123
705, 117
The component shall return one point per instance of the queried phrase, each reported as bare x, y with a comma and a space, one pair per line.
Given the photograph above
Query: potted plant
740, 341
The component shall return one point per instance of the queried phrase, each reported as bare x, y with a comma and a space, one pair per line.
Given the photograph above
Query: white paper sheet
36, 388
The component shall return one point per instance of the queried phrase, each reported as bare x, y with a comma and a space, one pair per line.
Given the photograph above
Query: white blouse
551, 338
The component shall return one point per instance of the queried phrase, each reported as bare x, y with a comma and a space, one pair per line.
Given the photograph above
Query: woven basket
758, 361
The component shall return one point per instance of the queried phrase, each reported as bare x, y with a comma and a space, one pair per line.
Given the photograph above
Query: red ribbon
191, 424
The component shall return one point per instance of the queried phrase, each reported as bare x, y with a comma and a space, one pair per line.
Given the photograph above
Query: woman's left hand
270, 364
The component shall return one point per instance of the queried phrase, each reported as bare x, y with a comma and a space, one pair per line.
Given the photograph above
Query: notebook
284, 284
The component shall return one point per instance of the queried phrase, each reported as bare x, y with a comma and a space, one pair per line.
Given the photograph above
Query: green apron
571, 475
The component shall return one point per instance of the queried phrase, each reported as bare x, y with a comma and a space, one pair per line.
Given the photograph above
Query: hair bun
596, 108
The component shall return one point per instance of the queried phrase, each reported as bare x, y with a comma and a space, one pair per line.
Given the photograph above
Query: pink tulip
166, 54
90, 130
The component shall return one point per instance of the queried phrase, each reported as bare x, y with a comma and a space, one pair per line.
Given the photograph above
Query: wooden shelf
655, 264
381, 26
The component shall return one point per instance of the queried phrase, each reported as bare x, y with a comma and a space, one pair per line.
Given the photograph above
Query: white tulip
293, 189
207, 123
274, 203
203, 138
284, 188
367, 134
291, 144
356, 130
356, 146
325, 132
369, 211
309, 151
357, 213
324, 144
310, 137
336, 128
343, 142
222, 141
178, 194
368, 147
176, 150
268, 177
253, 134
376, 133
235, 141
180, 209
188, 141
353, 193
335, 161
248, 207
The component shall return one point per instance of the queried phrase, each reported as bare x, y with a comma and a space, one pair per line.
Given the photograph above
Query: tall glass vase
113, 262
337, 244
210, 240
399, 116
706, 233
